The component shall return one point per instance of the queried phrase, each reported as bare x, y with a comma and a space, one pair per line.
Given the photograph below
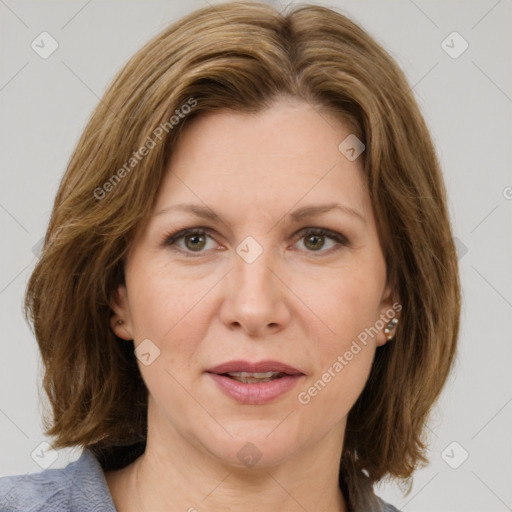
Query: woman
248, 294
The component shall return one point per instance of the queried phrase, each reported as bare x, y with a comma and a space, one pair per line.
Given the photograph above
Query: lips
233, 380
254, 367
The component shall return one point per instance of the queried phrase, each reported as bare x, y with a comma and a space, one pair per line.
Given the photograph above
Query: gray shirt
79, 487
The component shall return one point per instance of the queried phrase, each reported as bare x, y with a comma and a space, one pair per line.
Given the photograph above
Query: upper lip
254, 367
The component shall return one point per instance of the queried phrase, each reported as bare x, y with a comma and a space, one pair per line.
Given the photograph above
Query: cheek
164, 309
343, 359
158, 298
169, 307
338, 387
347, 304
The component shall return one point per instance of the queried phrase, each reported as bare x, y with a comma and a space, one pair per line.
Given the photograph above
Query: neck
174, 474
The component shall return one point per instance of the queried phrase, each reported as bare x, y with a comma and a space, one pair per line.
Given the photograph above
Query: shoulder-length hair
243, 56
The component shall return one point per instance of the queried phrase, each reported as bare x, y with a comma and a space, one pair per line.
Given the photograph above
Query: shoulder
80, 486
370, 502
385, 507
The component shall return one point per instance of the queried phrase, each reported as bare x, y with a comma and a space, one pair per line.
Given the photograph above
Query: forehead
283, 156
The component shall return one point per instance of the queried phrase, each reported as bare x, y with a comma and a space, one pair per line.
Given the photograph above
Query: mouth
253, 378
263, 370
255, 383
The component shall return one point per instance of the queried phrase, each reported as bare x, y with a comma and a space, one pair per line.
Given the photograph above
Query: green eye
195, 240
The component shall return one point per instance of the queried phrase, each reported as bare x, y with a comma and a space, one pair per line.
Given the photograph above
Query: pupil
192, 237
313, 237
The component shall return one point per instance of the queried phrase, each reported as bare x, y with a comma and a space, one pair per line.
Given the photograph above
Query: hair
247, 56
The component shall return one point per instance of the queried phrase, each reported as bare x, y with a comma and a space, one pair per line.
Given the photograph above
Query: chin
253, 448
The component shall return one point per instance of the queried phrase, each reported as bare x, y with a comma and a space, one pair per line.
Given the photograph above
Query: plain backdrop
466, 97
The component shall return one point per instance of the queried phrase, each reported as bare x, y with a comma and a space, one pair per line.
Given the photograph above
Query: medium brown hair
244, 56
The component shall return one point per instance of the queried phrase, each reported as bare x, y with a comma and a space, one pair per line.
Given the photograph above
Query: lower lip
258, 393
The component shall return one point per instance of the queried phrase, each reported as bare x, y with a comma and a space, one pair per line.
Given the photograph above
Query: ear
389, 314
120, 321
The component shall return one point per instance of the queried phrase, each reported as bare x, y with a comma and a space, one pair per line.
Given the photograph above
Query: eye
195, 240
314, 239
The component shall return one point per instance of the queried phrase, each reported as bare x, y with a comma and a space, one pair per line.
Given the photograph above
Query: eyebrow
299, 214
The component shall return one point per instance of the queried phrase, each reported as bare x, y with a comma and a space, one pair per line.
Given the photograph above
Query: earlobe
120, 320
389, 316
388, 331
120, 328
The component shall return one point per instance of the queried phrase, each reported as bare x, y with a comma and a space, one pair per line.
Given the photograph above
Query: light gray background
467, 103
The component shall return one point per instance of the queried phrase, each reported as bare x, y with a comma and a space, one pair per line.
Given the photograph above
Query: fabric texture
81, 487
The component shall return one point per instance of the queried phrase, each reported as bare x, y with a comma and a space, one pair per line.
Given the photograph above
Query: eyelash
171, 239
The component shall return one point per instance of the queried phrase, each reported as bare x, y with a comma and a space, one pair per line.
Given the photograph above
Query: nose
256, 297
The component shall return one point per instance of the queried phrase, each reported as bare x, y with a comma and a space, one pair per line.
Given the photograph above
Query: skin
299, 302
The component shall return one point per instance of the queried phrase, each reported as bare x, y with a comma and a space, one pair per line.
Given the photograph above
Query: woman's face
254, 285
